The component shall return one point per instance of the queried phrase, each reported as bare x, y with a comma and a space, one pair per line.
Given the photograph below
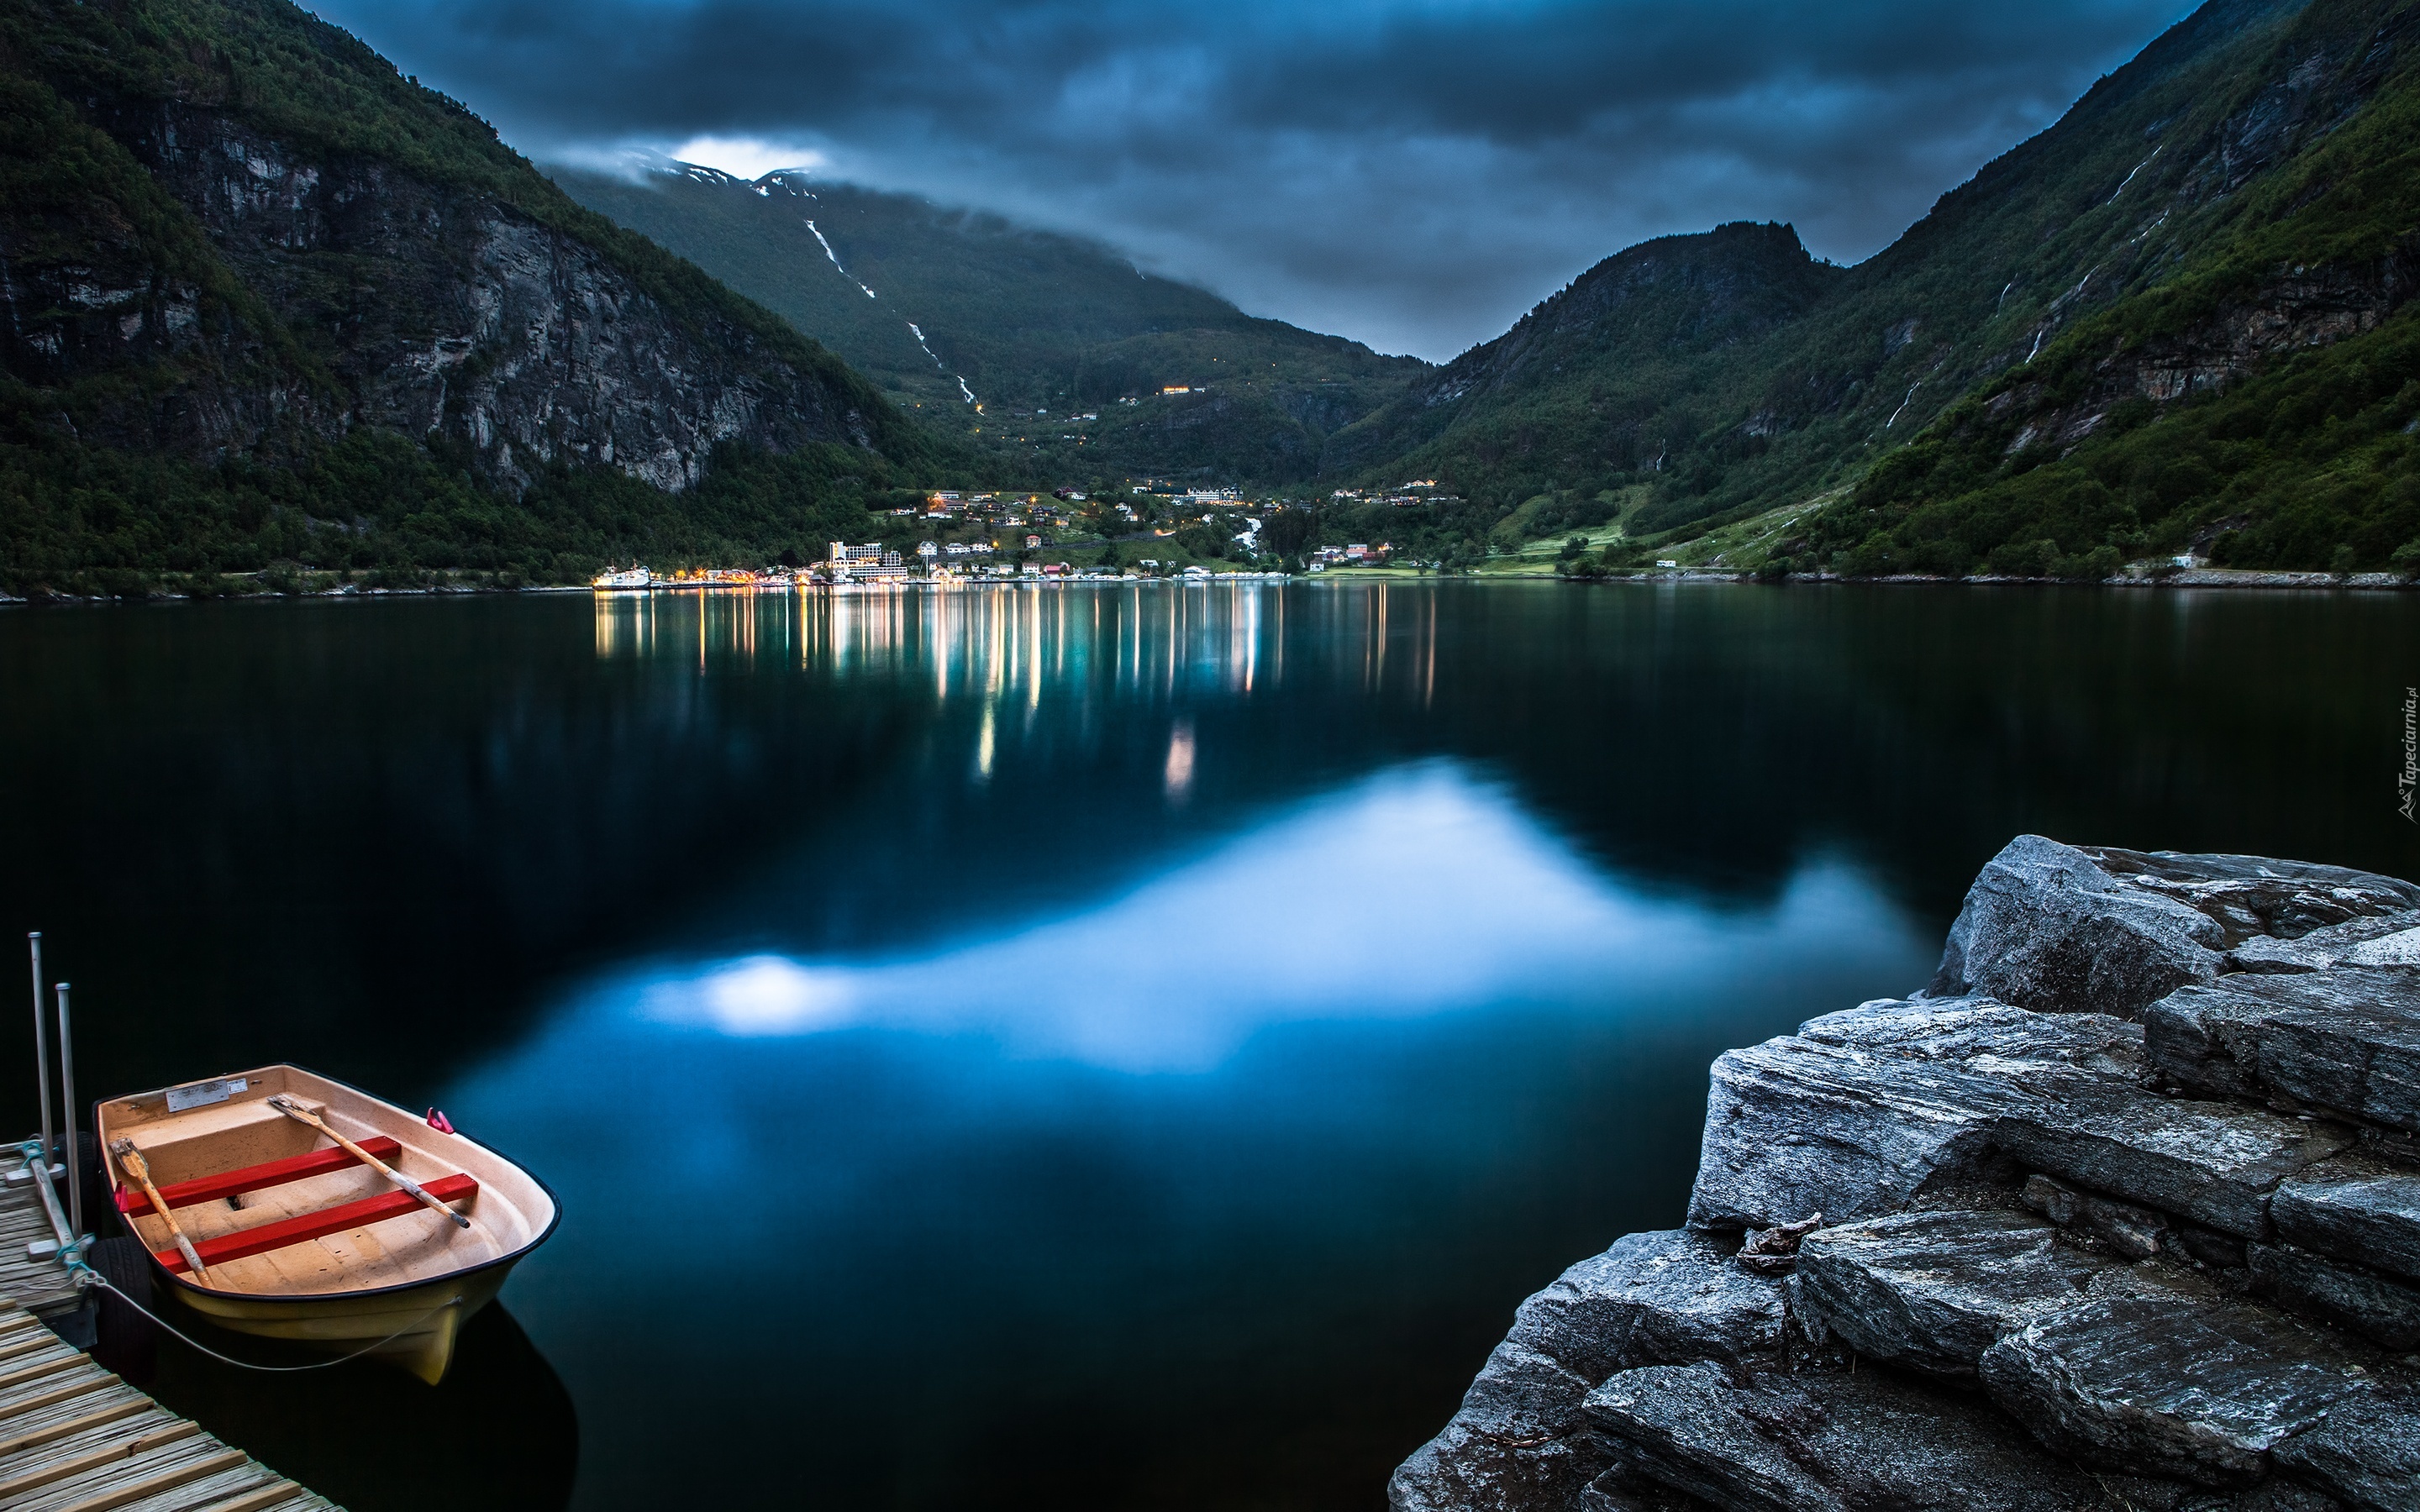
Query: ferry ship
630, 577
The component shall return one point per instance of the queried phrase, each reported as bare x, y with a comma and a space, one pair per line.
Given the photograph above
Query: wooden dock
74, 1438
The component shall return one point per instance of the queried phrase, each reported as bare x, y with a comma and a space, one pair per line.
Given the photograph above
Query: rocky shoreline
2121, 1212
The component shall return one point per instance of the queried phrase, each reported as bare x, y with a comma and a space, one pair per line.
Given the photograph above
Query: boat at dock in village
279, 1203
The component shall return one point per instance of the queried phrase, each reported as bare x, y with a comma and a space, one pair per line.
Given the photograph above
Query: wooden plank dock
74, 1438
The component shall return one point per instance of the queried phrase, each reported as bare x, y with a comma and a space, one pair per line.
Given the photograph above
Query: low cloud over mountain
1411, 174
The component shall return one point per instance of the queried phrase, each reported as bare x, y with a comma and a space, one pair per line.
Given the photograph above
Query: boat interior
275, 1208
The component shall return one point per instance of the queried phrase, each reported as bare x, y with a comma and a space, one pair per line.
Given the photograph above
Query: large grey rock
1933, 1290
2385, 1312
2354, 1208
1859, 1111
1832, 1443
2347, 1039
2367, 1453
2198, 1388
1520, 1440
2383, 940
2045, 928
2213, 1162
2065, 929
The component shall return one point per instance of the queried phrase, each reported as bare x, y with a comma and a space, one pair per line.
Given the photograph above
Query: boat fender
438, 1121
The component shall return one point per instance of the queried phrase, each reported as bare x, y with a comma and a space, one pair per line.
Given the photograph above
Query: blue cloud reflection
1415, 893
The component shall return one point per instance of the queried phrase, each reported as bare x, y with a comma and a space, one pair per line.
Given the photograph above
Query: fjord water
1074, 1047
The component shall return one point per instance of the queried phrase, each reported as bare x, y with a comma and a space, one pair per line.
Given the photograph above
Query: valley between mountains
279, 317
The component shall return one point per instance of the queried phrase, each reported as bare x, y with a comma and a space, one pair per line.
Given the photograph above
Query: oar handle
139, 1169
302, 1115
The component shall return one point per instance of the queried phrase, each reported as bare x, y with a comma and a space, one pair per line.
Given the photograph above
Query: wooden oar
302, 1115
131, 1161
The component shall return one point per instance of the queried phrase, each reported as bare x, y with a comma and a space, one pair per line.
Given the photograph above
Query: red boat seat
255, 1178
311, 1226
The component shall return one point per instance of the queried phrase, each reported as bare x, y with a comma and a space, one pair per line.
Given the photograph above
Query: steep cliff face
244, 266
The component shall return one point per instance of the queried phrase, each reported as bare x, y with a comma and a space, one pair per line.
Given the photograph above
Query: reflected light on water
1179, 776
1027, 642
1417, 891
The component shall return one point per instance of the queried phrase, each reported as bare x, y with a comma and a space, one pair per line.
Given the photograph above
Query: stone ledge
2346, 1040
2187, 1304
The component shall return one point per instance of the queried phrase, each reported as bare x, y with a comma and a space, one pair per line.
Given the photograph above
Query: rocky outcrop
2128, 1215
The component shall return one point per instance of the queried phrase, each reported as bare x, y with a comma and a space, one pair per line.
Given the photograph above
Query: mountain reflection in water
1195, 1170
1108, 1047
1417, 893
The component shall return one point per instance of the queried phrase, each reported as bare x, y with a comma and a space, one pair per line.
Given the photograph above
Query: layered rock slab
1933, 1291
1860, 1110
2352, 1296
2384, 940
1520, 1439
2198, 1388
2345, 1039
2356, 1209
2217, 1164
1859, 1113
1831, 1442
2367, 1453
2252, 896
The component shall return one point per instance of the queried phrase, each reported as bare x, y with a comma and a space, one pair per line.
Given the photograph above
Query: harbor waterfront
1128, 1047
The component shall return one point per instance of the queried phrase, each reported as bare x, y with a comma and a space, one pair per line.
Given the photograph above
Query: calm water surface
1074, 1048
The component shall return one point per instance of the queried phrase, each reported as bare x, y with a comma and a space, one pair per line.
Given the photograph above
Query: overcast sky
1413, 173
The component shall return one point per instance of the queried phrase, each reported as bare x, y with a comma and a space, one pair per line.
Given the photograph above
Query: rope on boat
86, 1277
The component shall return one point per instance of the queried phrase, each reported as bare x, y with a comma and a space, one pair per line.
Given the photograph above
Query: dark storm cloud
1414, 174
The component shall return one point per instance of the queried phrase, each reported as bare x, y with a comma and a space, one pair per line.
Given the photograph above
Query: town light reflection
1028, 642
1419, 891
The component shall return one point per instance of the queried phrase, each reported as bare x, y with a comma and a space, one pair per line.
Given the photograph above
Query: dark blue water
1077, 1047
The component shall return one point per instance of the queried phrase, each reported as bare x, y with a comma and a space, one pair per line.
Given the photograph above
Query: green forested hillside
1039, 327
2256, 403
2173, 321
1615, 377
242, 256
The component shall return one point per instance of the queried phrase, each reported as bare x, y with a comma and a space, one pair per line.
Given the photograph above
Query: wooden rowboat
300, 1239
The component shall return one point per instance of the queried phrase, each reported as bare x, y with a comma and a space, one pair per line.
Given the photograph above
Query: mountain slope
2202, 165
1620, 356
938, 304
250, 269
2257, 403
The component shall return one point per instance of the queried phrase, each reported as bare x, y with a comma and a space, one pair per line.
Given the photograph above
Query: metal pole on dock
41, 1046
67, 1091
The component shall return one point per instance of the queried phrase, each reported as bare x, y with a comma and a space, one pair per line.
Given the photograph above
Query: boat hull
412, 1328
301, 1261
